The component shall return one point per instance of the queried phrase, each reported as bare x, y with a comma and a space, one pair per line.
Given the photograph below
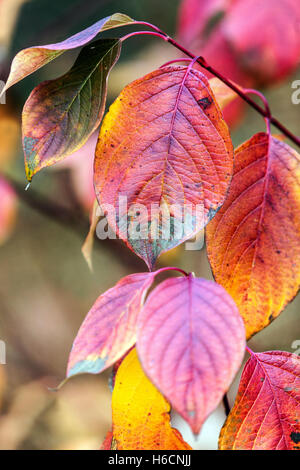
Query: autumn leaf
141, 415
61, 114
223, 94
163, 145
253, 242
109, 330
31, 59
266, 413
199, 18
266, 43
191, 342
200, 28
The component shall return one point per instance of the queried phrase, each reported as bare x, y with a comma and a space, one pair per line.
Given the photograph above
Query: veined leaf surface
191, 342
141, 415
253, 242
164, 148
109, 329
31, 59
61, 114
266, 413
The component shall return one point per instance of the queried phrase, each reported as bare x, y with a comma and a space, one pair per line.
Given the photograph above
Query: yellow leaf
141, 419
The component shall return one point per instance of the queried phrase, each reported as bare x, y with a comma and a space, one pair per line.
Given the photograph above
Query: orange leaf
253, 242
141, 419
266, 413
223, 94
163, 144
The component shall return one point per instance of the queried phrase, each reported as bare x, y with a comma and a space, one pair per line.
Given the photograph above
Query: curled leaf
61, 114
31, 59
141, 419
176, 176
191, 342
266, 413
253, 242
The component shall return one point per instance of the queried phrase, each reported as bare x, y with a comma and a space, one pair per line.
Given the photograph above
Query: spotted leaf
266, 413
163, 160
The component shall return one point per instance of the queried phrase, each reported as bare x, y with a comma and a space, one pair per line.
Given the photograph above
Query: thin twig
240, 91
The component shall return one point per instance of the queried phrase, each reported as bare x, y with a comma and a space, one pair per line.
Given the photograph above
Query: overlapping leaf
266, 413
163, 145
140, 414
191, 342
31, 59
61, 114
253, 242
223, 94
265, 37
109, 329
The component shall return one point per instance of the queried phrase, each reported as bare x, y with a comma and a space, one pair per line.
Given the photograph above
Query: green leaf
61, 114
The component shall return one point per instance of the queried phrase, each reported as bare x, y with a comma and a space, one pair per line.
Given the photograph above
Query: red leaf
109, 329
265, 36
266, 414
196, 17
218, 53
200, 28
191, 342
163, 144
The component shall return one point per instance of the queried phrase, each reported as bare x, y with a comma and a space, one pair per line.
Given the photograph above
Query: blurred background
46, 288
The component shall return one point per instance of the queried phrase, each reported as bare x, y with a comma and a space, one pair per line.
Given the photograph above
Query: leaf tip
87, 366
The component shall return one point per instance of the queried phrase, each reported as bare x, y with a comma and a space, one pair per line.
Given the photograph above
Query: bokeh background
46, 288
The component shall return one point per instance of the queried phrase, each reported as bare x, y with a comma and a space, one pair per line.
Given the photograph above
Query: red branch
243, 93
